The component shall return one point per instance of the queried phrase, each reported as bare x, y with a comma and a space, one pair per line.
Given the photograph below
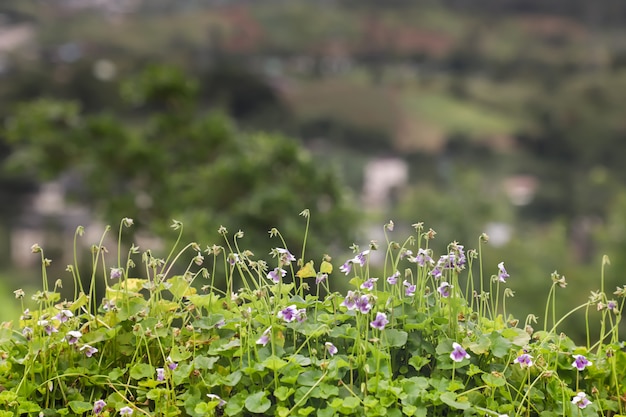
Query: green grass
457, 116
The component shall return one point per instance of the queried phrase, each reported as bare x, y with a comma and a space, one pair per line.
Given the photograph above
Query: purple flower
422, 258
410, 288
64, 315
350, 301
444, 289
276, 274
612, 306
581, 400
288, 314
581, 362
346, 267
525, 360
72, 336
301, 315
502, 274
27, 332
332, 350
116, 273
321, 277
285, 256
436, 272
89, 350
170, 363
406, 252
126, 411
265, 337
364, 304
393, 280
360, 258
160, 374
233, 258
458, 353
214, 397
369, 284
47, 327
380, 321
98, 406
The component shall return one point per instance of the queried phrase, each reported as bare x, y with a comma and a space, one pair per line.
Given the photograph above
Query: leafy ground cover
431, 336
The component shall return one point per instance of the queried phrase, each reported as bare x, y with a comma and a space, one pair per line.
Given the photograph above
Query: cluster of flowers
59, 322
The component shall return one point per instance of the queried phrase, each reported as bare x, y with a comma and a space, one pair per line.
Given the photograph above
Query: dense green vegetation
468, 94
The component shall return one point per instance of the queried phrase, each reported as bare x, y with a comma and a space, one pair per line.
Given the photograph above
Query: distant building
381, 178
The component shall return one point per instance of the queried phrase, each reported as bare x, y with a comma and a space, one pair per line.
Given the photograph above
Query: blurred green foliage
166, 158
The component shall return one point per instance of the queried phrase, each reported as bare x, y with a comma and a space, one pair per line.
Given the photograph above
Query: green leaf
28, 407
180, 287
450, 399
518, 337
326, 412
306, 411
394, 337
274, 363
494, 380
205, 362
282, 393
6, 414
350, 403
177, 354
258, 402
418, 362
499, 345
80, 407
142, 370
326, 267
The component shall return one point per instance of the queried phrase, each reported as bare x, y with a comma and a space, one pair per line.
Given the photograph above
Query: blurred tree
167, 158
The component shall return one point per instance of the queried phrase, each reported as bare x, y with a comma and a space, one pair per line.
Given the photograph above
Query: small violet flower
285, 256
346, 267
288, 314
276, 275
116, 273
214, 397
380, 321
369, 284
126, 411
581, 362
64, 315
98, 406
612, 306
393, 280
502, 274
89, 350
160, 374
363, 303
525, 360
410, 289
321, 277
350, 301
581, 400
360, 258
332, 350
72, 336
422, 258
265, 337
458, 353
444, 289
170, 363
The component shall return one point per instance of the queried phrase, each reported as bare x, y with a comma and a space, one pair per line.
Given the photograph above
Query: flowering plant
428, 340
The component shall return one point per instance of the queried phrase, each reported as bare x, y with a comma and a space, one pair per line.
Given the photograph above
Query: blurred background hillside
504, 117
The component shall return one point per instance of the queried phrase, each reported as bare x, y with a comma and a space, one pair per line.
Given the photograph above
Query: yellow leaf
307, 271
326, 267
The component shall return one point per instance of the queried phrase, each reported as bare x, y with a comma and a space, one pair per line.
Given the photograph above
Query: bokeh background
504, 117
